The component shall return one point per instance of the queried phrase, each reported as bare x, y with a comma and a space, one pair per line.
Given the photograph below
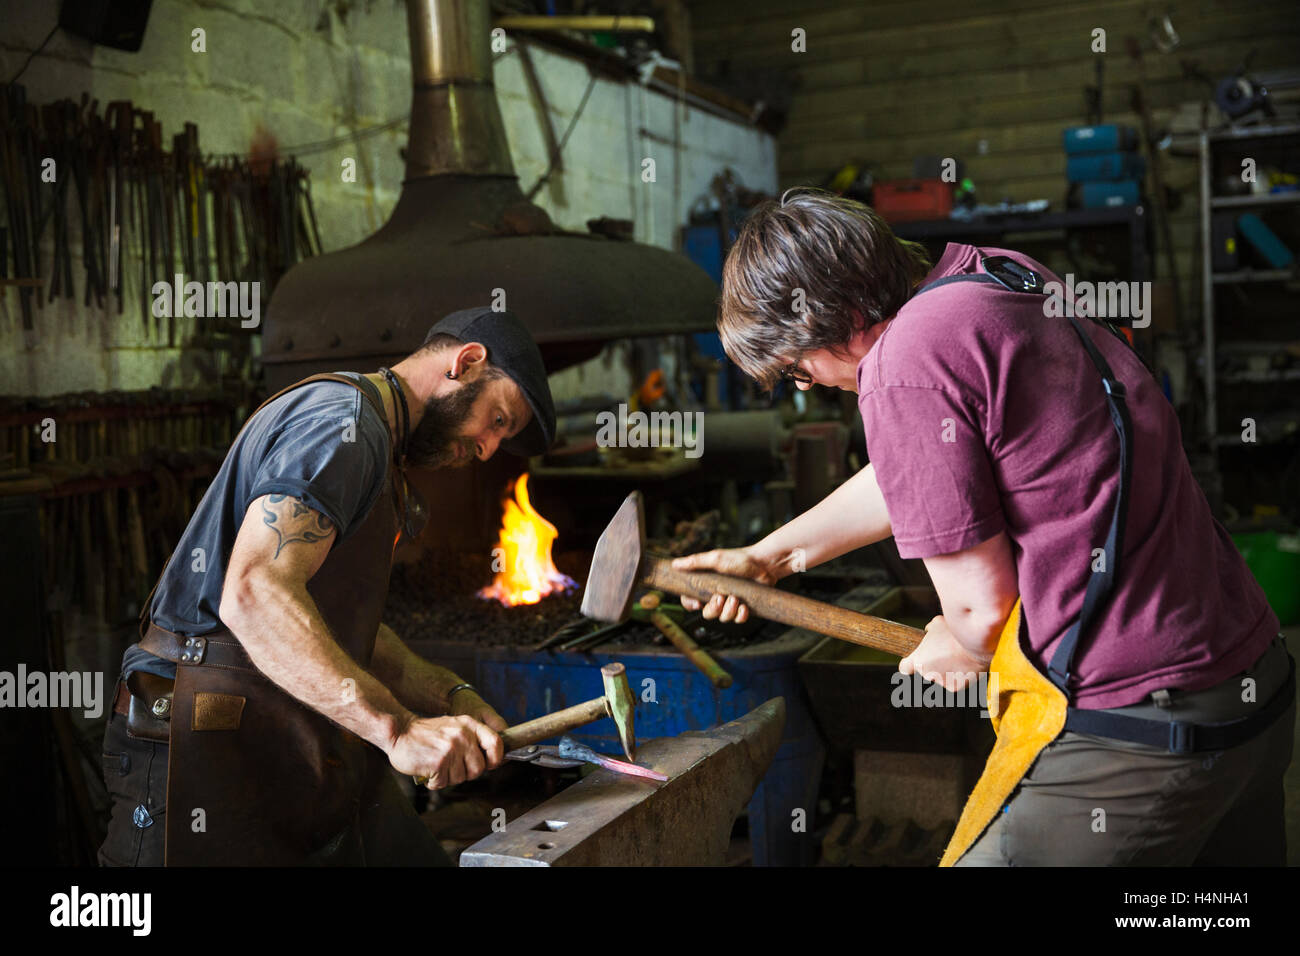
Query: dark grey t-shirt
322, 443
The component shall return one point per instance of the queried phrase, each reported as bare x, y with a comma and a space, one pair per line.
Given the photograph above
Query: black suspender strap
1102, 581
1176, 736
1011, 275
146, 607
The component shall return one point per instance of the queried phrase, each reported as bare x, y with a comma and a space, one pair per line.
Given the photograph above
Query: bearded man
259, 718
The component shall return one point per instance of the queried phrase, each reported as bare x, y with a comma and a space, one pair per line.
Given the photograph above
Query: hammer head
621, 704
608, 595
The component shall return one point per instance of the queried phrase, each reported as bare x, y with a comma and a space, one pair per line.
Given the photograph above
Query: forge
462, 234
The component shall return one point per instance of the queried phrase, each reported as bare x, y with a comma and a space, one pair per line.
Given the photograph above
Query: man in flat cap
258, 717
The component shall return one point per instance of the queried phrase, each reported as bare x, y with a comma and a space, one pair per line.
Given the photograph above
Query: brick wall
303, 74
991, 83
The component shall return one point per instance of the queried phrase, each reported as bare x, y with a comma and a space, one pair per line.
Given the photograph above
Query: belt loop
1182, 737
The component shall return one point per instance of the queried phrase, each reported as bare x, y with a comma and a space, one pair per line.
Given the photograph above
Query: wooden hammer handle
777, 605
693, 652
531, 731
550, 725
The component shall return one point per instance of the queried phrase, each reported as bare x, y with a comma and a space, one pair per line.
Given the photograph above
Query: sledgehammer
621, 563
617, 704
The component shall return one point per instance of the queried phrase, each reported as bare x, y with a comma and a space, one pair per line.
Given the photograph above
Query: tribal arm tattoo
291, 520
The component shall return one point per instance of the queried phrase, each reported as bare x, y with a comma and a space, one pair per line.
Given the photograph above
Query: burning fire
522, 558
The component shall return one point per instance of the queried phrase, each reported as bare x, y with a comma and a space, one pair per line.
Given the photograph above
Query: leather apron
1027, 712
254, 776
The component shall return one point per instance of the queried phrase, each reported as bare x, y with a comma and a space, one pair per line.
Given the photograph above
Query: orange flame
525, 572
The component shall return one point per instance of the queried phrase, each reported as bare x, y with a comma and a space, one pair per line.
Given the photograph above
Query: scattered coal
435, 598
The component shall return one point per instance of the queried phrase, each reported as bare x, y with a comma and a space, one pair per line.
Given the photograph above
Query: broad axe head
621, 705
613, 576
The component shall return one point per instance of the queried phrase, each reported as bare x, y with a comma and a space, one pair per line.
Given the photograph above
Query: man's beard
434, 441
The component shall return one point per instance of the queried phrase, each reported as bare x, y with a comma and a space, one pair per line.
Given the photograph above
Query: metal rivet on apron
161, 706
185, 656
189, 642
141, 818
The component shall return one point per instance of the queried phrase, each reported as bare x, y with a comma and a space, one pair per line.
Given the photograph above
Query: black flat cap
511, 348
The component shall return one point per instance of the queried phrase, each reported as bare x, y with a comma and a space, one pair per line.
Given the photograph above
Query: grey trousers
135, 771
1094, 801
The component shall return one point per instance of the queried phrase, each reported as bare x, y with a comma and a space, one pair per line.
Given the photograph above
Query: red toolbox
906, 200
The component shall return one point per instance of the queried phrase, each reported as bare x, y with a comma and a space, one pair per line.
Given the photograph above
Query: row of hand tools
117, 484
179, 211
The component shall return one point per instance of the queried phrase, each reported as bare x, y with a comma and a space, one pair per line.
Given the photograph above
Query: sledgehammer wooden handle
777, 605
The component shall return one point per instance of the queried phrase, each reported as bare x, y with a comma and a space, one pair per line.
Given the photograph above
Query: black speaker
116, 23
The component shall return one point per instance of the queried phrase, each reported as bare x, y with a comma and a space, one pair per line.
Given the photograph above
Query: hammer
621, 563
617, 703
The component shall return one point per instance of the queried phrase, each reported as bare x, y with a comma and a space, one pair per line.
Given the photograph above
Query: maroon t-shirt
984, 415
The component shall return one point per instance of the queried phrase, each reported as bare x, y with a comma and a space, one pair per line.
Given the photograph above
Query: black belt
1181, 737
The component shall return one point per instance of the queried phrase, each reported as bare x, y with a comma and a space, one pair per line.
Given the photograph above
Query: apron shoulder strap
322, 377
1011, 275
318, 377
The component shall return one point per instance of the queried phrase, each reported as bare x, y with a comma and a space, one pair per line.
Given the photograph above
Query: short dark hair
437, 341
849, 270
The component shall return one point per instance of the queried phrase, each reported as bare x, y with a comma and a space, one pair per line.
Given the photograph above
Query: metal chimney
461, 231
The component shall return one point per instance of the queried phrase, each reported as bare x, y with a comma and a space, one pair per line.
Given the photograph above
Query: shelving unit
1131, 219
1270, 137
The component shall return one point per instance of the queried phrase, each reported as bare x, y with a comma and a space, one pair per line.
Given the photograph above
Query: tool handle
693, 652
777, 605
549, 725
531, 731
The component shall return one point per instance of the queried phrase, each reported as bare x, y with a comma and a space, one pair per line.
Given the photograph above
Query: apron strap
1011, 275
1102, 582
318, 377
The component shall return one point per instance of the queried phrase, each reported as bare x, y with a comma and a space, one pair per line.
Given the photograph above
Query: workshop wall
992, 84
334, 79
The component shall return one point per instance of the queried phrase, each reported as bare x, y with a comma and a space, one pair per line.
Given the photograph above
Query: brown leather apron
254, 776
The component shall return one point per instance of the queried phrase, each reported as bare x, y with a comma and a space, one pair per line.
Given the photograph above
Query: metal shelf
1254, 132
1254, 378
1263, 199
1231, 440
1253, 275
1206, 142
1132, 219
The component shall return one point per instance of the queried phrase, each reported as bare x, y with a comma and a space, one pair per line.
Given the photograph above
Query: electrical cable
31, 56
559, 148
